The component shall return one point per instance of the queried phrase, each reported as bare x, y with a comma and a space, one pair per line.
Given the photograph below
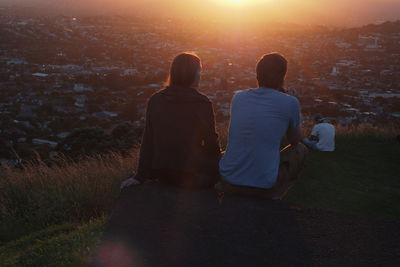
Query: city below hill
63, 76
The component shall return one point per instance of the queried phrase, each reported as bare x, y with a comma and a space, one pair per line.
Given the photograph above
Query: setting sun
235, 1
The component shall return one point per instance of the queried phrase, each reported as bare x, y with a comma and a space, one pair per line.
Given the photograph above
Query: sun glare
235, 2
243, 2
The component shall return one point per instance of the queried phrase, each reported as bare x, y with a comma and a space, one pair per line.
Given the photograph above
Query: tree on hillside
85, 141
124, 136
129, 111
93, 141
5, 148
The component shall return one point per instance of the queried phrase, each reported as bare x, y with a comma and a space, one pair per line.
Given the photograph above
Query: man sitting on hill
322, 137
259, 119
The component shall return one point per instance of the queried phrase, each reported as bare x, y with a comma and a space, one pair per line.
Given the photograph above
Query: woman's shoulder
188, 95
204, 98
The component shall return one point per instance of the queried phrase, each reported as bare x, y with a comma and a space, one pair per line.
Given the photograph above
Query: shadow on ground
158, 226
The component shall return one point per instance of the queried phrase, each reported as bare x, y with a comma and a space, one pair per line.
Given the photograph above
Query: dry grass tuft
38, 195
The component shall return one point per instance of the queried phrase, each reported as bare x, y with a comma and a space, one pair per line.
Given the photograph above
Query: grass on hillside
39, 196
361, 177
69, 244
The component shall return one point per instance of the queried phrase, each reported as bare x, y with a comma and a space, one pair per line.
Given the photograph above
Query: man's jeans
292, 161
310, 143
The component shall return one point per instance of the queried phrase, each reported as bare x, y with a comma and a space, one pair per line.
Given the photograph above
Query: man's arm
146, 148
315, 133
314, 138
294, 135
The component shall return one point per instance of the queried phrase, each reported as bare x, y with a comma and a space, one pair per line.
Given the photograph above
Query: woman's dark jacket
179, 134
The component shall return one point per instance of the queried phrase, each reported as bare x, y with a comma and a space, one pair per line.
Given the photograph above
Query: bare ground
165, 226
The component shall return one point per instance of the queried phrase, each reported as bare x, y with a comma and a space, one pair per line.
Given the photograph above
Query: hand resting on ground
129, 182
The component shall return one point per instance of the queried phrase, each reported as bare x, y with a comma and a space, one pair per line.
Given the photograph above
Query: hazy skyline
331, 12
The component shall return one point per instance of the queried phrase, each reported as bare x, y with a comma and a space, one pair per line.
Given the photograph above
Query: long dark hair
183, 70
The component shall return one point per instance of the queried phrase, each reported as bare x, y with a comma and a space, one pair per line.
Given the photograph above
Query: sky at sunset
331, 12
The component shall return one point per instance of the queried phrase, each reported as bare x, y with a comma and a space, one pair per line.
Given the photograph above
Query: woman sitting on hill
179, 145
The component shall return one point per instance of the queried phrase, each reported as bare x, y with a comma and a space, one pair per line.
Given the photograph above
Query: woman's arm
144, 167
211, 143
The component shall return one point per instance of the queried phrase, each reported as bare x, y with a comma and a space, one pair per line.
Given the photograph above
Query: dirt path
158, 226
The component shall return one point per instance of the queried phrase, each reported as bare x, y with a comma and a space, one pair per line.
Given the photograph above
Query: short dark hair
183, 69
318, 118
271, 70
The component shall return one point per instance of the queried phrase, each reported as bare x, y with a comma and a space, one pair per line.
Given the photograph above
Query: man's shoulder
288, 101
324, 125
291, 99
285, 97
240, 93
327, 125
262, 95
248, 93
317, 126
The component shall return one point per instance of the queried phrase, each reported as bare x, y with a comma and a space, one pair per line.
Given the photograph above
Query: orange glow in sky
333, 12
236, 2
336, 12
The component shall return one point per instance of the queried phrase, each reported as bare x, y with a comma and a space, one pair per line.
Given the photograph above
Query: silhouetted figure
179, 145
322, 137
259, 119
